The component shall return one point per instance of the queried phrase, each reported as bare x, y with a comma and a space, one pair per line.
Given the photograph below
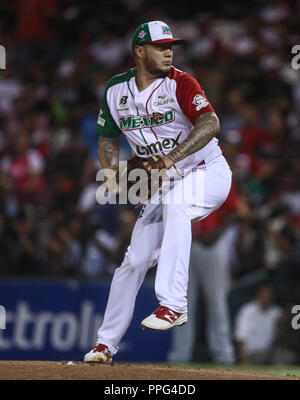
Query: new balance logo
123, 100
158, 147
171, 318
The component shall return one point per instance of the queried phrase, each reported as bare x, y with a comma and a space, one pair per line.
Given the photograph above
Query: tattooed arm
205, 129
108, 152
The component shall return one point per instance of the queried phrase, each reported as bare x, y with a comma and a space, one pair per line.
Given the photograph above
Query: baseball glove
150, 182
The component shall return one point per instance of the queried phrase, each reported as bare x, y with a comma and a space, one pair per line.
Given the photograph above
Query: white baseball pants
163, 232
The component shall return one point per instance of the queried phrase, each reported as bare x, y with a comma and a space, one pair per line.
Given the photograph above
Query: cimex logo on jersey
157, 147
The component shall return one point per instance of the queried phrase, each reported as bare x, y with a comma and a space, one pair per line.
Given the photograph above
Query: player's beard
154, 69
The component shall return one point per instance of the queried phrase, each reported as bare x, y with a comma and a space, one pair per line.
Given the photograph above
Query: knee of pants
135, 263
175, 212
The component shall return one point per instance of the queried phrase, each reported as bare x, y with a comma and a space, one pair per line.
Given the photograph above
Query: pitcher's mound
78, 370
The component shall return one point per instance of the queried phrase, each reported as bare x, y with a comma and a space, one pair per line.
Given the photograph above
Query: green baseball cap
154, 32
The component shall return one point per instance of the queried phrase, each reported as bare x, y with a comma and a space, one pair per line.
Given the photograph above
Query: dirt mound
62, 370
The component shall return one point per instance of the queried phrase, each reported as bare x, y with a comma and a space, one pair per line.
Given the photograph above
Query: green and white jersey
158, 118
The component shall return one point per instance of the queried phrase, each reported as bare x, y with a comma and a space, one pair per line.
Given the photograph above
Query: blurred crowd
60, 55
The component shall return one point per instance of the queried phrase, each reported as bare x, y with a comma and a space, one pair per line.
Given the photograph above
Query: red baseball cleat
100, 354
163, 318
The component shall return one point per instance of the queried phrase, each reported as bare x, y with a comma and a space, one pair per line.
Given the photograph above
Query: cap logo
166, 30
142, 35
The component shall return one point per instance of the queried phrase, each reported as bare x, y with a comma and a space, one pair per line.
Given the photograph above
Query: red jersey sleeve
191, 97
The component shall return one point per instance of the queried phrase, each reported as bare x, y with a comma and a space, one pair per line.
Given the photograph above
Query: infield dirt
63, 370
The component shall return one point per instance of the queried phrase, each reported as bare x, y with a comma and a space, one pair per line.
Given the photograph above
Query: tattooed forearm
206, 127
108, 152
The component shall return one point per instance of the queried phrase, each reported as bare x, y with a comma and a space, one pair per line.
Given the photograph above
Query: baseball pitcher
165, 115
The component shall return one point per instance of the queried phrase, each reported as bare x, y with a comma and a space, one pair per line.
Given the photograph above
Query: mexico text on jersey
158, 118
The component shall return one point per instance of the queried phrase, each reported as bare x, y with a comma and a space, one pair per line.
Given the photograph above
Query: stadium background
58, 247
